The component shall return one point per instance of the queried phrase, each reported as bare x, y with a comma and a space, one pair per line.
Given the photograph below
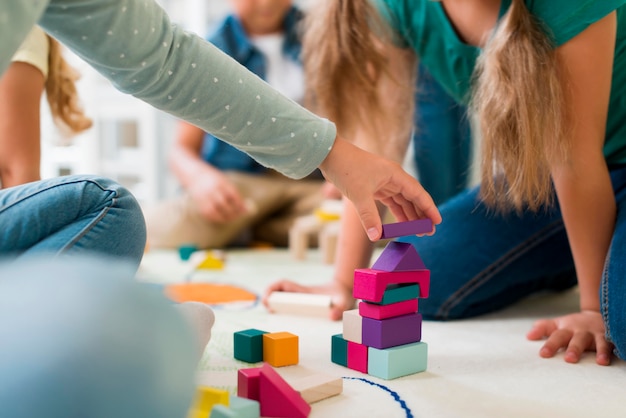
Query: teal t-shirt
424, 26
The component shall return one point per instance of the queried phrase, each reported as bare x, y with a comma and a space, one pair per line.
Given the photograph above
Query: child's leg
71, 215
613, 289
80, 337
481, 261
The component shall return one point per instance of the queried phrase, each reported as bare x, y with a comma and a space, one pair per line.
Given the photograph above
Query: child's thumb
370, 219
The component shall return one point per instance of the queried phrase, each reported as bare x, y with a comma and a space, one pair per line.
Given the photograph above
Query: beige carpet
476, 368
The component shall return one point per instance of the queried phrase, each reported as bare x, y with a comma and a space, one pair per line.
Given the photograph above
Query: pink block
370, 310
403, 229
370, 284
248, 383
277, 398
357, 357
399, 256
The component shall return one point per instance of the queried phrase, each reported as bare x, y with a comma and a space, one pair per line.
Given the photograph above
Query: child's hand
216, 197
341, 297
364, 178
576, 333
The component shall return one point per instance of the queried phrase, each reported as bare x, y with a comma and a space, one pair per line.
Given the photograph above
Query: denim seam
490, 272
605, 299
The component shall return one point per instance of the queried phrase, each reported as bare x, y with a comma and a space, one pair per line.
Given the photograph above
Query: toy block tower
383, 337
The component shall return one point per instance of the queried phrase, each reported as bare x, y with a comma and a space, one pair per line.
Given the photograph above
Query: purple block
399, 256
385, 333
402, 229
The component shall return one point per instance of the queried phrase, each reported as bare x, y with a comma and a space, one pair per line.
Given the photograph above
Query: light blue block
238, 408
394, 362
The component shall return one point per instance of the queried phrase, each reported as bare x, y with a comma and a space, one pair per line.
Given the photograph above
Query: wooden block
248, 345
207, 397
300, 233
339, 350
328, 237
211, 262
374, 311
299, 303
280, 349
239, 408
352, 326
278, 399
394, 362
357, 357
392, 332
399, 256
395, 293
370, 284
402, 229
248, 383
185, 251
317, 386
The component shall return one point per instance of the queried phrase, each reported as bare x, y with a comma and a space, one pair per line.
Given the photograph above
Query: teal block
399, 293
185, 251
249, 345
394, 362
339, 350
238, 408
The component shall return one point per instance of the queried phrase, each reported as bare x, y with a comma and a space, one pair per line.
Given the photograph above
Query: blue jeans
481, 261
71, 215
80, 337
442, 140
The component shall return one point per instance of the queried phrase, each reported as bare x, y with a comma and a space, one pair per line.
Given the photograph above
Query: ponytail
519, 99
61, 92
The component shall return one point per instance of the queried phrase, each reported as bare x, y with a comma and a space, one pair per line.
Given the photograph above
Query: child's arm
584, 191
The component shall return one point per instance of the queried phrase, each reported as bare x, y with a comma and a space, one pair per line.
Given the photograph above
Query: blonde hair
61, 92
517, 93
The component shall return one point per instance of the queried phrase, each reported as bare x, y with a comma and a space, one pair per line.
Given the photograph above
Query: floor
482, 367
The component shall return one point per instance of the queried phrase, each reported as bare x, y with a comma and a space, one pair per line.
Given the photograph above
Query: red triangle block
277, 398
399, 256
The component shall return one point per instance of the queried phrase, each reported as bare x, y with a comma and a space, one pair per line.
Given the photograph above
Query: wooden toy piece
207, 397
239, 408
395, 293
392, 332
300, 233
352, 326
339, 350
330, 210
394, 362
277, 398
212, 261
371, 310
370, 284
185, 251
248, 345
357, 357
248, 383
328, 237
403, 229
299, 303
280, 349
317, 386
399, 256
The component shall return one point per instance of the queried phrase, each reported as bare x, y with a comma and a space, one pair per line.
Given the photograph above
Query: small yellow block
211, 262
325, 216
280, 349
206, 398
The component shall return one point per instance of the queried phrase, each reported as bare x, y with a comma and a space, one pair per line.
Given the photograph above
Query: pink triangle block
277, 398
403, 229
370, 284
399, 256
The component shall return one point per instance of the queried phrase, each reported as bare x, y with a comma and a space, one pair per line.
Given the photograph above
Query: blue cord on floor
395, 395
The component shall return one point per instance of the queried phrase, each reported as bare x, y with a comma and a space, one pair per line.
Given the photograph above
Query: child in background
228, 198
37, 66
546, 80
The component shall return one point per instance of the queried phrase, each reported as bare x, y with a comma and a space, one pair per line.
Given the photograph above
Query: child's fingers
603, 350
579, 343
557, 340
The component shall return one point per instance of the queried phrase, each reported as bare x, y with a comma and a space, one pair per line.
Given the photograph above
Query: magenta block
370, 310
399, 256
248, 383
385, 333
402, 229
357, 357
370, 284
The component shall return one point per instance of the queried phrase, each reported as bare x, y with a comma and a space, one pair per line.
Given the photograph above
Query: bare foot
341, 297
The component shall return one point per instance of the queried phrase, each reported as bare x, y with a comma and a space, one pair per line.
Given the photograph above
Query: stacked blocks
383, 336
278, 348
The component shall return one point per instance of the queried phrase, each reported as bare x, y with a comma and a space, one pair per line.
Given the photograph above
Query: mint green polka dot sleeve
133, 43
